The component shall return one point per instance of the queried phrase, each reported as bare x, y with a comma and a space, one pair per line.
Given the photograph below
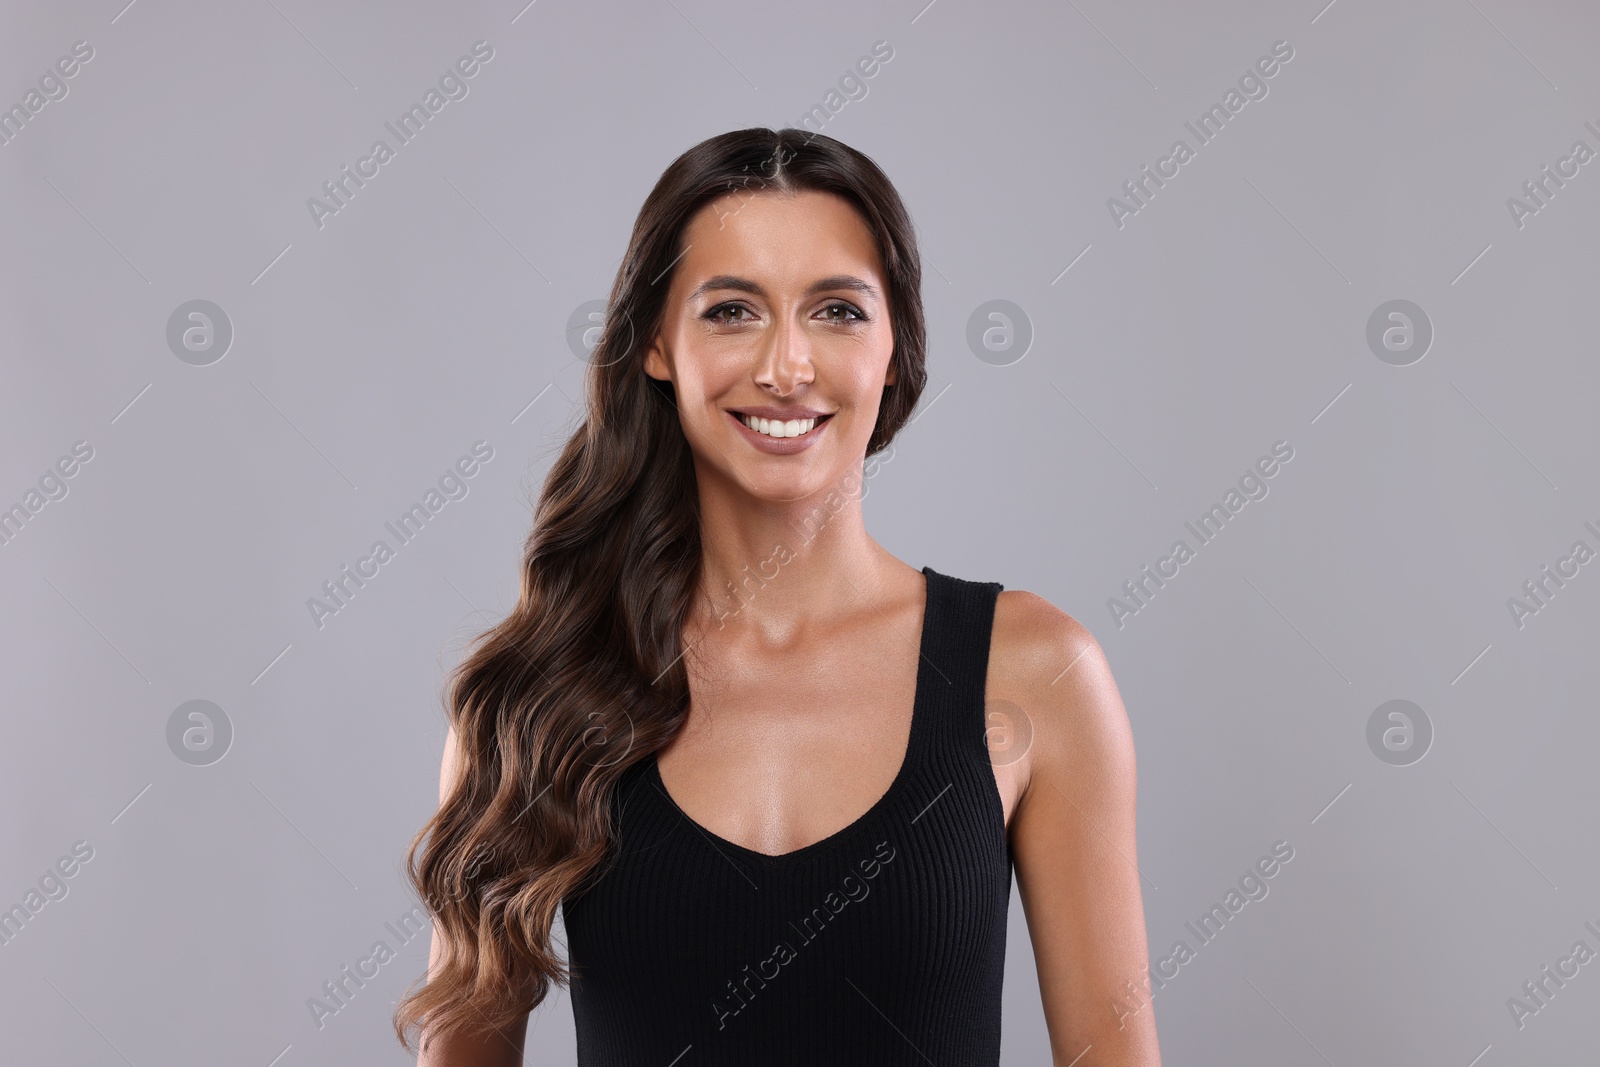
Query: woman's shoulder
1031, 634
1032, 640
1032, 646
1028, 638
1047, 663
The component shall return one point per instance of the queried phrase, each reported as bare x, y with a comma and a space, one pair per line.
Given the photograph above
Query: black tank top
881, 944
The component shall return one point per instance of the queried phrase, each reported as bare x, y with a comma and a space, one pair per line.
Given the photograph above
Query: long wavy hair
585, 677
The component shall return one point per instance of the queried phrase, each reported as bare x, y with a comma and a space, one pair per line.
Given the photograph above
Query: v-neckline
914, 740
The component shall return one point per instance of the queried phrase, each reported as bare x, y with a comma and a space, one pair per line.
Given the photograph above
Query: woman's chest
928, 869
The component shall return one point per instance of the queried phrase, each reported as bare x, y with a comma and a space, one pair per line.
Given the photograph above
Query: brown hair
584, 678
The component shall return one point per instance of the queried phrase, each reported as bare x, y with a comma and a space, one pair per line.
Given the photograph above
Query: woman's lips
781, 446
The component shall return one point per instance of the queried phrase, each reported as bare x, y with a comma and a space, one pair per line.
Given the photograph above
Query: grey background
1229, 313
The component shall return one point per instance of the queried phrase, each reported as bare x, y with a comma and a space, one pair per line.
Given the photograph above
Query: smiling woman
689, 761
834, 324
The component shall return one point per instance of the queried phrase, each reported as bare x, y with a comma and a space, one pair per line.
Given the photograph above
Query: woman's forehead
778, 240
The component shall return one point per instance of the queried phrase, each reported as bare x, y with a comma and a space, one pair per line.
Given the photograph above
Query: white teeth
773, 428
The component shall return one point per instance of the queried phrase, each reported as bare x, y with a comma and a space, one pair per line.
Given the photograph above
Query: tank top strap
950, 696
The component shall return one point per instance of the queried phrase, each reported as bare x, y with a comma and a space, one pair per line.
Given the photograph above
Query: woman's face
777, 307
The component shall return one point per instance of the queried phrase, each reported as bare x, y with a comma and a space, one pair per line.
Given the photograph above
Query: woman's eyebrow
745, 285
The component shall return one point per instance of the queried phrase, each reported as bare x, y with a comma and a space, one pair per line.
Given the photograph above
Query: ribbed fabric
882, 944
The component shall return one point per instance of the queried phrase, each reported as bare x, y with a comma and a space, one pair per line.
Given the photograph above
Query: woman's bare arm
1073, 841
502, 1048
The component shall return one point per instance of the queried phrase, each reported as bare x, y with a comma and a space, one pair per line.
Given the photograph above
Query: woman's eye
716, 313
848, 309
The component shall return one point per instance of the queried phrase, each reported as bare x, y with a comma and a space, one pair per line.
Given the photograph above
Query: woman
776, 779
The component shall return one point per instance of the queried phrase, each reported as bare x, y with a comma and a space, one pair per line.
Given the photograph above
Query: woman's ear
655, 363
